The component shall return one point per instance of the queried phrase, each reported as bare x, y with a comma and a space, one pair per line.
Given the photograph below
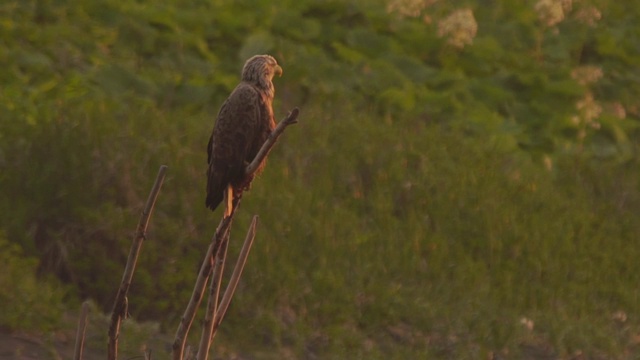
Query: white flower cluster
588, 111
588, 108
589, 15
587, 74
552, 12
408, 8
459, 28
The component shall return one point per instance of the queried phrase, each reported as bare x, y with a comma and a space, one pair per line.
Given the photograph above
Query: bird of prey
244, 122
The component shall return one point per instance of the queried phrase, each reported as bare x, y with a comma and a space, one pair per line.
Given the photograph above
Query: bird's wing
231, 141
236, 126
209, 148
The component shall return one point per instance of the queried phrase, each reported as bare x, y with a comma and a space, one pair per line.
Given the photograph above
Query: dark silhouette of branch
120, 303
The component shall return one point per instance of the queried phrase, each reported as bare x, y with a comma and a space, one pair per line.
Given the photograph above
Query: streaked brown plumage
244, 122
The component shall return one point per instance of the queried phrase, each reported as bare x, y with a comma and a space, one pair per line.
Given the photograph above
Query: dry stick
216, 311
212, 252
120, 304
82, 326
201, 282
235, 276
212, 303
292, 118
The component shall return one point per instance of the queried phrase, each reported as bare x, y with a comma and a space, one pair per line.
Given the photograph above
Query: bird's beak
278, 70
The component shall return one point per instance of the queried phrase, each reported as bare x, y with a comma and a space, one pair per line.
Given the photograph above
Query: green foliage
432, 197
28, 303
442, 234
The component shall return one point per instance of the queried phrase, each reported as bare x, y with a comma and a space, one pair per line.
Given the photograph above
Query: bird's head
260, 69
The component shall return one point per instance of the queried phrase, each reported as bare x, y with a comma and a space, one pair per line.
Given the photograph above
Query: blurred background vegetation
464, 180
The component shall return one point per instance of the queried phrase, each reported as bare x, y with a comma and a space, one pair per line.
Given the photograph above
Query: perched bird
244, 122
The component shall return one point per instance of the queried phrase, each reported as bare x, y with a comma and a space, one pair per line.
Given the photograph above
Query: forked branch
212, 302
222, 232
235, 276
216, 311
201, 282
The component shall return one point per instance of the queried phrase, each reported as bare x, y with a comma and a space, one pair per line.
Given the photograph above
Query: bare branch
82, 326
212, 303
120, 303
222, 233
291, 119
201, 282
237, 272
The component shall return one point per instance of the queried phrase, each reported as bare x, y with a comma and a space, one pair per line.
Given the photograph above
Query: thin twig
201, 282
80, 333
237, 272
212, 303
120, 304
292, 118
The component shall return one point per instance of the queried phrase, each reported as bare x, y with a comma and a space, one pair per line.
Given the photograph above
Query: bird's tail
215, 192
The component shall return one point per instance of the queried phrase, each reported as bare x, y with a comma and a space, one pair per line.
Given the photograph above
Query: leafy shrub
28, 302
